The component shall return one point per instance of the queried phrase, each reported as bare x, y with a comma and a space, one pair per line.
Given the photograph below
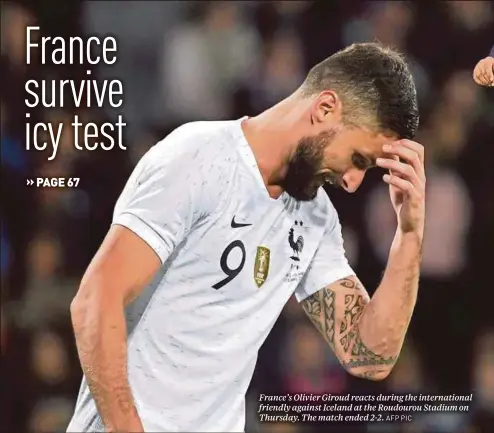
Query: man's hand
483, 74
406, 180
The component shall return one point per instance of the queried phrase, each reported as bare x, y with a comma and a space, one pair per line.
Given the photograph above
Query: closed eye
360, 161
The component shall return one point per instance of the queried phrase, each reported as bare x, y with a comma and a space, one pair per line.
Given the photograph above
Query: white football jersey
232, 257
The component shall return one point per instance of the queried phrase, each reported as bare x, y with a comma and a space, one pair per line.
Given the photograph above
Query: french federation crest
261, 265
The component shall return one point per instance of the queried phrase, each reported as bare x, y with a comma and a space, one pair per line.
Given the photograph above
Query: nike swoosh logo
236, 225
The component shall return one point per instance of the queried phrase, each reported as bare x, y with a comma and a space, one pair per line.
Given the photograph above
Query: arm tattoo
320, 309
342, 326
372, 373
350, 284
362, 356
354, 307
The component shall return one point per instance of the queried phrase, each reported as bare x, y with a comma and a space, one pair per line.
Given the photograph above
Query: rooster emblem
296, 245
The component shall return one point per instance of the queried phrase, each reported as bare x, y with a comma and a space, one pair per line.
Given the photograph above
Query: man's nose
352, 179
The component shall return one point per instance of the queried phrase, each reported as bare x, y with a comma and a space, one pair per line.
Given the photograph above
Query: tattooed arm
367, 334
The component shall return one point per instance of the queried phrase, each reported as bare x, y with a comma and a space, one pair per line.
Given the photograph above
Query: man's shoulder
195, 147
201, 137
322, 209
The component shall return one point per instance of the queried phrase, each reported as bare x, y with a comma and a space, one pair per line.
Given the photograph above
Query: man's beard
303, 177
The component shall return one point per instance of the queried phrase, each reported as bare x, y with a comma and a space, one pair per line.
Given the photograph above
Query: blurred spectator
309, 367
279, 74
204, 60
471, 15
468, 33
15, 18
51, 415
139, 32
48, 293
49, 358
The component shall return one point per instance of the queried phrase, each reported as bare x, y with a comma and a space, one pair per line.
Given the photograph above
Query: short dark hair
375, 85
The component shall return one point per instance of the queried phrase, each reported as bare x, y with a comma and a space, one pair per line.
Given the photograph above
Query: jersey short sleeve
175, 184
329, 263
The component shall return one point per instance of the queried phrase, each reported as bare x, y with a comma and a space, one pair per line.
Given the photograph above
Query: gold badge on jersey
261, 265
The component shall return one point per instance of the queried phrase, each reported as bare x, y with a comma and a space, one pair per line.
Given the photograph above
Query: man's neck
273, 136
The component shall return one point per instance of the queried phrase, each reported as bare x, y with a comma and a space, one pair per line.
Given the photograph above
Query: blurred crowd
181, 61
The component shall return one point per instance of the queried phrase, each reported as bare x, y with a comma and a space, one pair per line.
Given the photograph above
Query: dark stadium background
182, 61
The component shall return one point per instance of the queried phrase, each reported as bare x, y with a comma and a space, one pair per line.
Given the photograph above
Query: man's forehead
369, 142
369, 137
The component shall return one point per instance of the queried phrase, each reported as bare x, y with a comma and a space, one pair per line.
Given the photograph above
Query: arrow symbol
30, 182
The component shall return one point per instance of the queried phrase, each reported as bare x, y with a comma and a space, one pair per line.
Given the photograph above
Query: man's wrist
131, 423
409, 237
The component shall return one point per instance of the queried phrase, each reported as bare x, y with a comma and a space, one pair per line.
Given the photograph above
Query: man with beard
221, 223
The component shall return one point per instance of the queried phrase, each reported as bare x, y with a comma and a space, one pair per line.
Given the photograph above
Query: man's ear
325, 105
